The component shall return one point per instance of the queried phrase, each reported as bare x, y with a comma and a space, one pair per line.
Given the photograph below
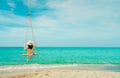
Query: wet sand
59, 71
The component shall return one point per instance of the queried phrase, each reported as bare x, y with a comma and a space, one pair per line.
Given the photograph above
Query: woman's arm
25, 47
34, 46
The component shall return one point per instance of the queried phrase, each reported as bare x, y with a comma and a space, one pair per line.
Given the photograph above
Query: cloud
10, 19
11, 5
36, 4
68, 22
74, 16
90, 21
87, 16
76, 10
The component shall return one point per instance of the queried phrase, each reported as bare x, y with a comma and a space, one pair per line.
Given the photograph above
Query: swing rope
29, 24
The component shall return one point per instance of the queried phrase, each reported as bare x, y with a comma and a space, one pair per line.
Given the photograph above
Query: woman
30, 48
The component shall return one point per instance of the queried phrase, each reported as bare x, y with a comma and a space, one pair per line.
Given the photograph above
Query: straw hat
30, 43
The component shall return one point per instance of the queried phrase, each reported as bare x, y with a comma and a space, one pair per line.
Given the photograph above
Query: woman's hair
30, 46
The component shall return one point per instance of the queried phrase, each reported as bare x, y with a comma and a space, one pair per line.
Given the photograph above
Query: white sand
56, 71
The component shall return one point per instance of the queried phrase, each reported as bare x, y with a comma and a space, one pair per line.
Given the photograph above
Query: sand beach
59, 71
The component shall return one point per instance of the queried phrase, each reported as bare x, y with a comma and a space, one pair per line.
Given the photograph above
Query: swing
30, 26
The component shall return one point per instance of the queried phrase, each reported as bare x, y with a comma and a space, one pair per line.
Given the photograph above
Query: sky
61, 23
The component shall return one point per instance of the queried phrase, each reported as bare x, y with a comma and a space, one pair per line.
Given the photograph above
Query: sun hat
30, 43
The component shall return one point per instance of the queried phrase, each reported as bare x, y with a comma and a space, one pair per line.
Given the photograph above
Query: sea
61, 55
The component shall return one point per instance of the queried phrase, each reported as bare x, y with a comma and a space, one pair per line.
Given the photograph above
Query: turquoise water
61, 55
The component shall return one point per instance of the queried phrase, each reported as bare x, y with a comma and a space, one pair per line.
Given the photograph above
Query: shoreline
39, 67
60, 71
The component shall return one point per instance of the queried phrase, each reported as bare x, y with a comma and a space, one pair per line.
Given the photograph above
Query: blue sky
66, 23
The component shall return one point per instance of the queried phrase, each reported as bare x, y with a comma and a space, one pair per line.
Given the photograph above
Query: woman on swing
30, 48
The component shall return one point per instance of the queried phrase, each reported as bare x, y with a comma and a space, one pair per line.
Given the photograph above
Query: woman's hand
34, 46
